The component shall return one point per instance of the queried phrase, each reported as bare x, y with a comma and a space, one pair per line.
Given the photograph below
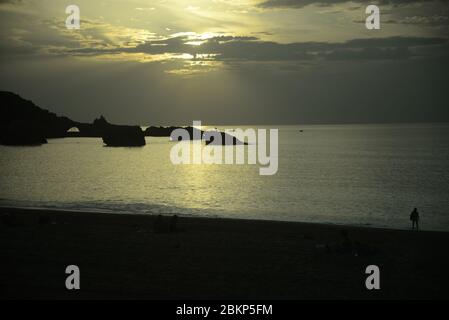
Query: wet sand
120, 256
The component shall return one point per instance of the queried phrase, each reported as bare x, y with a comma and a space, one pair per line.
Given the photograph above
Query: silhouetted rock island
226, 139
167, 131
24, 123
119, 136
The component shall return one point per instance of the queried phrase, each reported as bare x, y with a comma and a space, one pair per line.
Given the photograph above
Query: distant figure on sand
414, 217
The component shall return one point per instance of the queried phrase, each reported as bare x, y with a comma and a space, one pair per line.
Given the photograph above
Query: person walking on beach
414, 217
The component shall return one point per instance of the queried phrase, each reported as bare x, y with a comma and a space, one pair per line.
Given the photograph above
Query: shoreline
191, 216
120, 256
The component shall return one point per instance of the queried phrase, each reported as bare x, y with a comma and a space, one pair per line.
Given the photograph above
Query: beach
120, 256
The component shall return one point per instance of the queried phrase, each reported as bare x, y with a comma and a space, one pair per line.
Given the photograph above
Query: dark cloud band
303, 3
252, 49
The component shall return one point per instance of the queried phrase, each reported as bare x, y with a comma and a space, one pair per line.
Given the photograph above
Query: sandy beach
121, 256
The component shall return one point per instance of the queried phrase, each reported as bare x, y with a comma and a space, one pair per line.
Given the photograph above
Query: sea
357, 174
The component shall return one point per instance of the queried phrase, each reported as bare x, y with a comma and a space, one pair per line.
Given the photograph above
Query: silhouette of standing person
414, 217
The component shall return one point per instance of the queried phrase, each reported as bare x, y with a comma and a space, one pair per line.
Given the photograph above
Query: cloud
231, 48
49, 36
103, 41
432, 21
304, 3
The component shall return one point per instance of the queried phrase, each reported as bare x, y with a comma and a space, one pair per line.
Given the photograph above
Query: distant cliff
24, 123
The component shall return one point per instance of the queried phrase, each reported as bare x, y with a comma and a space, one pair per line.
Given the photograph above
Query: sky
168, 62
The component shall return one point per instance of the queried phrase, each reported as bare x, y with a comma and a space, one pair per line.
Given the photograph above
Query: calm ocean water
369, 175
